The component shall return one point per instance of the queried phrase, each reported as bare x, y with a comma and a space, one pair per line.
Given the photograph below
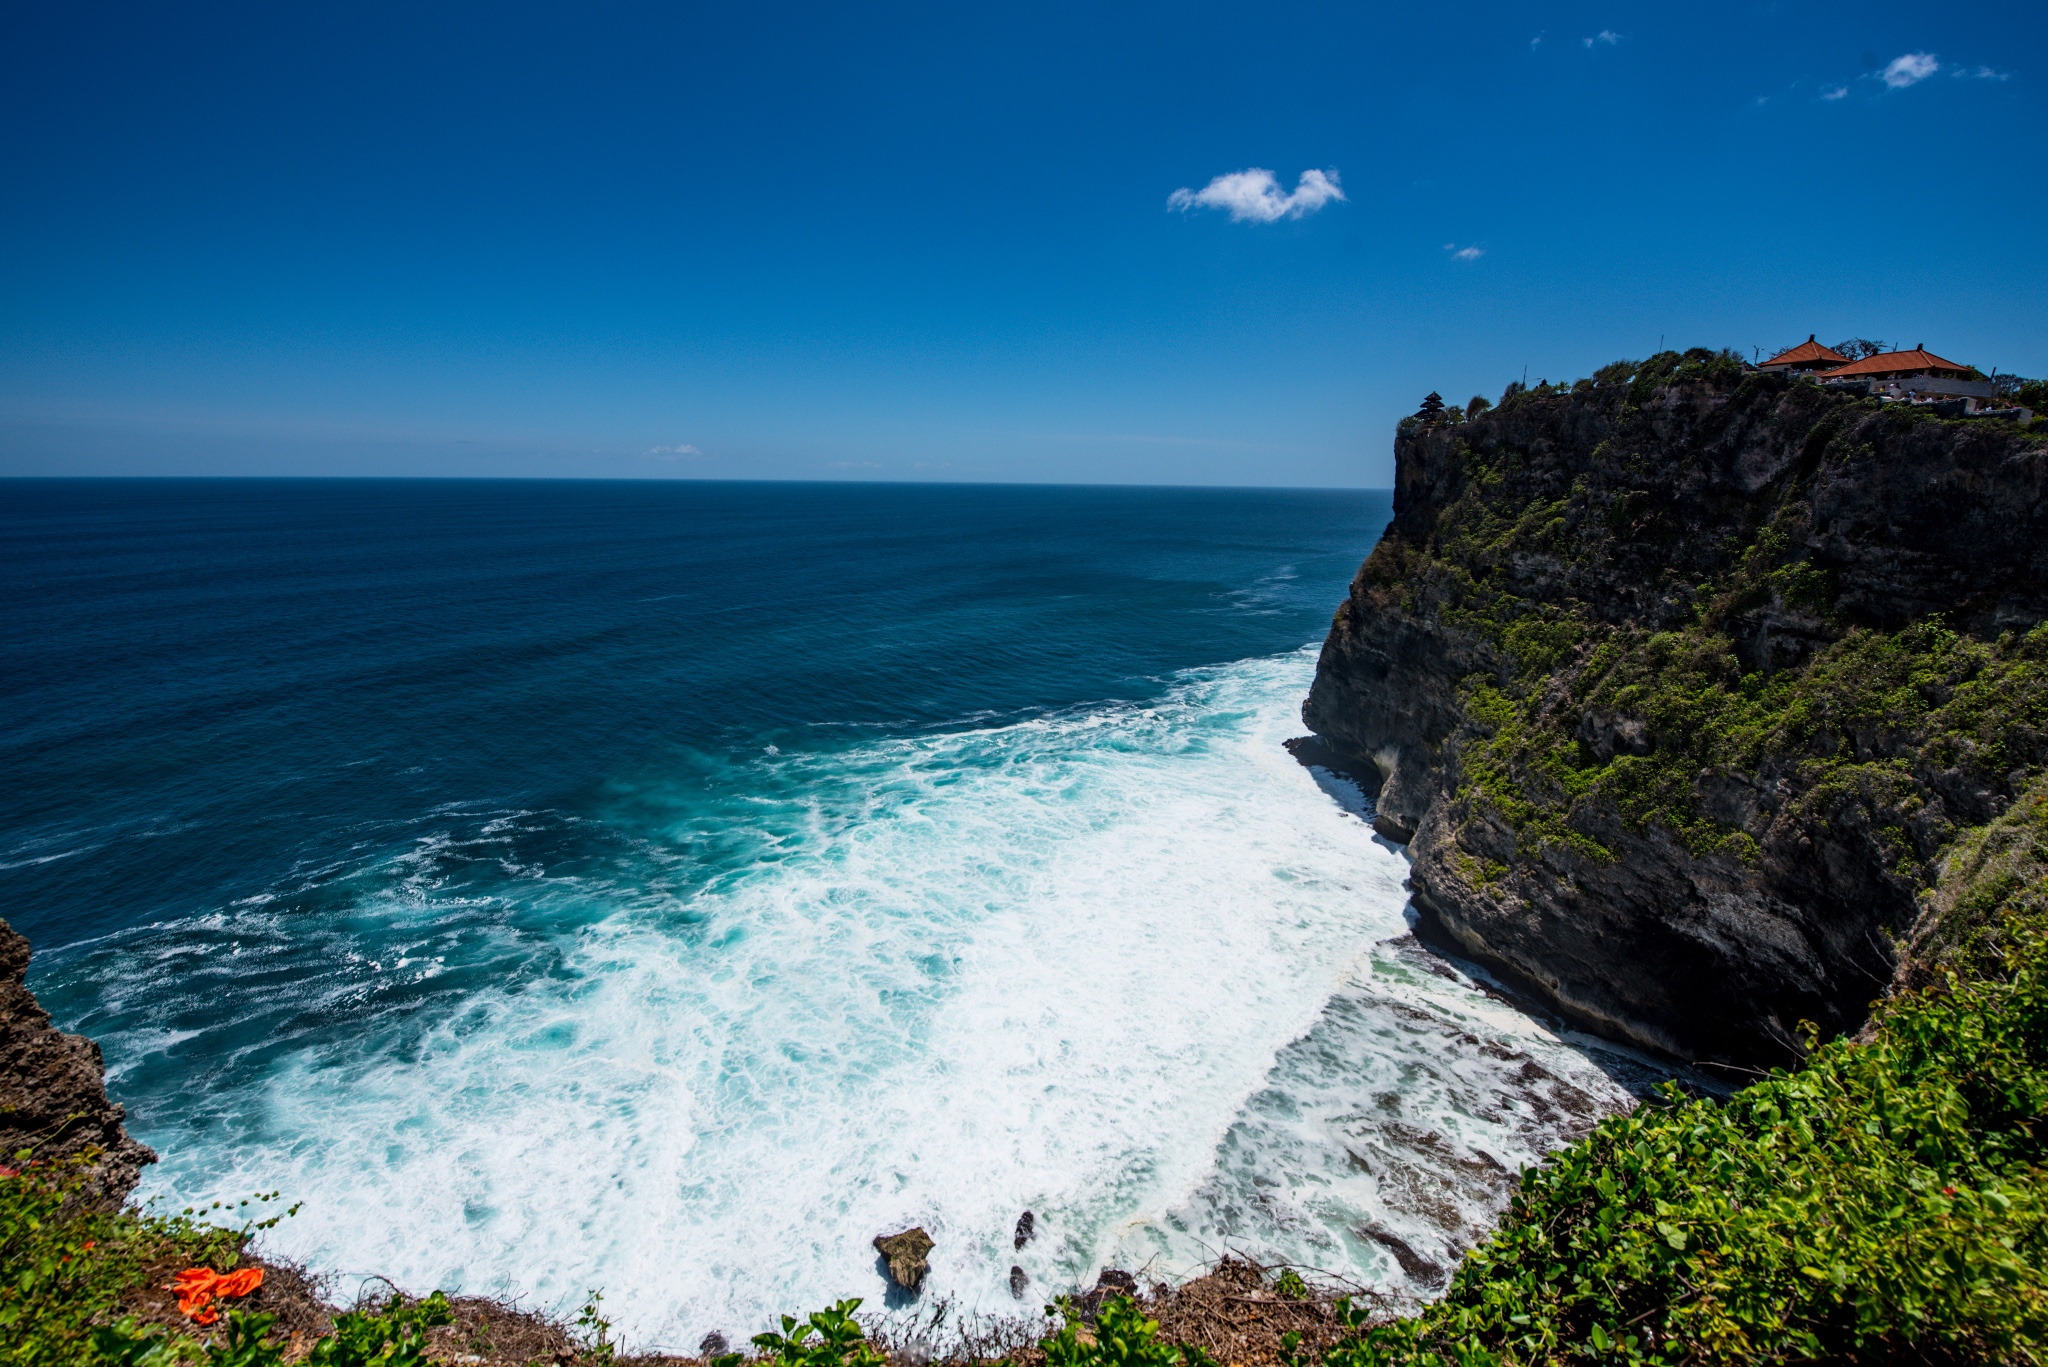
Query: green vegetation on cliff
1839, 721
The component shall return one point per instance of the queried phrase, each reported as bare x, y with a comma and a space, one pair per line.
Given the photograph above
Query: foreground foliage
1120, 1337
69, 1275
66, 1269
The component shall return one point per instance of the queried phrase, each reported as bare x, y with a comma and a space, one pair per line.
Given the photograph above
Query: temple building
1808, 356
1919, 376
1901, 367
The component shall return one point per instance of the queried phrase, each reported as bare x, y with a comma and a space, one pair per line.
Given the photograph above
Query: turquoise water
670, 887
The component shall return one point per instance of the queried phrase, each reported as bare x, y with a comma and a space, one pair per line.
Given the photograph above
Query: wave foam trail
1116, 966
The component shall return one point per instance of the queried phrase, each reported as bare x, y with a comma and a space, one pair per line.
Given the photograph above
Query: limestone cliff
53, 1095
1681, 680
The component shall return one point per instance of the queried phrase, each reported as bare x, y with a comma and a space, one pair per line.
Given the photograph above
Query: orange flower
198, 1286
239, 1283
195, 1288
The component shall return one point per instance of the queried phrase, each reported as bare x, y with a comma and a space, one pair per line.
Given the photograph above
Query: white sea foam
1117, 966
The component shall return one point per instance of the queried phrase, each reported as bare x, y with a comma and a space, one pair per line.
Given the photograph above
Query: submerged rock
905, 1253
1110, 1283
1018, 1281
53, 1089
1027, 1225
712, 1345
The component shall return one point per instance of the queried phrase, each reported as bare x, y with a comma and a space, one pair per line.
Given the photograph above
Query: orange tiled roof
1808, 350
1895, 363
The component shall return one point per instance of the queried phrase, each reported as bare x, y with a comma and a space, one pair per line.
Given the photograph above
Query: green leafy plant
596, 1330
828, 1338
392, 1336
1121, 1337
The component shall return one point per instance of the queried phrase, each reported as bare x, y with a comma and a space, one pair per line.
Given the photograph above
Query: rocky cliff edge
53, 1094
1681, 679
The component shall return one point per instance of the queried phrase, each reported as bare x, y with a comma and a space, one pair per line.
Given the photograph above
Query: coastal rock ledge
1680, 680
53, 1093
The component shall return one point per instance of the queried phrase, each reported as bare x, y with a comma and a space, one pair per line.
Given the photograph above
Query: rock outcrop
1679, 682
53, 1093
905, 1254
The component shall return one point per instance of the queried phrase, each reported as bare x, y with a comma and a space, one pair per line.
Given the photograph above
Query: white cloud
1983, 73
1464, 253
1253, 196
1910, 69
671, 452
1537, 41
1837, 93
1605, 35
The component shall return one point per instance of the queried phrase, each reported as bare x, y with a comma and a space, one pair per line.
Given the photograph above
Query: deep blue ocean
670, 886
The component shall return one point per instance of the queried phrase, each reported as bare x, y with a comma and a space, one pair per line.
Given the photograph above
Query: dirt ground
1234, 1312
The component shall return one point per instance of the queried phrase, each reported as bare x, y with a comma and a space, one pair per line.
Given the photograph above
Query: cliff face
53, 1095
1681, 681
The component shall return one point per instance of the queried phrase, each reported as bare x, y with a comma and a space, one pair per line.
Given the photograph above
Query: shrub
1122, 1337
829, 1338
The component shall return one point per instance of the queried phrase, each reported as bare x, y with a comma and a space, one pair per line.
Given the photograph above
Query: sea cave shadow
1354, 786
894, 1297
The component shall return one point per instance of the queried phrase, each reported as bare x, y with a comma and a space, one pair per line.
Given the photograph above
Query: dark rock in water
1422, 1269
1027, 1225
1110, 1283
712, 1345
1018, 1281
53, 1089
905, 1253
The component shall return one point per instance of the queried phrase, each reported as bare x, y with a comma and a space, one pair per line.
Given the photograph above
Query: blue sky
942, 242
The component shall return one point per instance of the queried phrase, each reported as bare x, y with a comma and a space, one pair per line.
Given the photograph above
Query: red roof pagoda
1898, 365
1808, 355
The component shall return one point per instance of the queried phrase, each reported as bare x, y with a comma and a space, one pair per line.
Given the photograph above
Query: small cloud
1982, 73
671, 452
1605, 35
1253, 196
1536, 42
1910, 69
1839, 92
1464, 253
